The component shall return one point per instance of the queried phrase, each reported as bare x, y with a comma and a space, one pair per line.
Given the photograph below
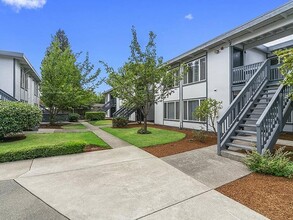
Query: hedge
95, 116
17, 116
42, 151
73, 117
119, 122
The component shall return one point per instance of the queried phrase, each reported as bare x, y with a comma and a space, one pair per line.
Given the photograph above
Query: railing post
280, 111
219, 133
259, 146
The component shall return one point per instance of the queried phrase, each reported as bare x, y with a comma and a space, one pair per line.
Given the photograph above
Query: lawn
44, 145
158, 136
73, 127
101, 122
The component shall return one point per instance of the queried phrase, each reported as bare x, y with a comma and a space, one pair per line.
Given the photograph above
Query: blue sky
103, 27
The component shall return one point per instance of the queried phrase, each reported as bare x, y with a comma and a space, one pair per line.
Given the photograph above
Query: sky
103, 28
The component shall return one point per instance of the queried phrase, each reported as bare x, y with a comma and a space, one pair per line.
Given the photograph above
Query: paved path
121, 183
111, 140
207, 167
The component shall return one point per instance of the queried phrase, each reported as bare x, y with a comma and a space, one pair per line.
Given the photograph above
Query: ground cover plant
93, 116
43, 145
277, 164
157, 136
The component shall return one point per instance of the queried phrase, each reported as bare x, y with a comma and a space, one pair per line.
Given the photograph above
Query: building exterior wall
254, 56
10, 75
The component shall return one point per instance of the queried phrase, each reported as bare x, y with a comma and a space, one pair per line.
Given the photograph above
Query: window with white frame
196, 71
176, 82
189, 107
23, 79
171, 110
36, 88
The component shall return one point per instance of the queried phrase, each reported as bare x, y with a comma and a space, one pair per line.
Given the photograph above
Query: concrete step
233, 155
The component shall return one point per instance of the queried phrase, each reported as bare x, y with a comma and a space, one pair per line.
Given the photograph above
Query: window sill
197, 122
175, 120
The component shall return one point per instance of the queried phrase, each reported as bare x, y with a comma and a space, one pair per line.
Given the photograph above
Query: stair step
250, 119
247, 125
245, 132
253, 140
254, 113
241, 146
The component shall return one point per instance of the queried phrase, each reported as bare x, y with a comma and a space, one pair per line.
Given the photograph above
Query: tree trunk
145, 124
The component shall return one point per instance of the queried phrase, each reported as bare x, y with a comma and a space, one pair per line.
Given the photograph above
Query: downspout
181, 104
14, 80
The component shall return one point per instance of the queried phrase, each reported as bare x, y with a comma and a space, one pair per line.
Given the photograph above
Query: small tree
144, 80
209, 110
286, 69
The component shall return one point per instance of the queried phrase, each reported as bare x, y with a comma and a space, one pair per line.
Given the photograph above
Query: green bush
119, 122
17, 116
73, 117
42, 151
277, 164
92, 116
143, 131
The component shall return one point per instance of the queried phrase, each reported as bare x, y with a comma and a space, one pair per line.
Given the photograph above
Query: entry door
237, 57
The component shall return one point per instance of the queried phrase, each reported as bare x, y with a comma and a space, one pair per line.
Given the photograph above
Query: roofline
107, 91
234, 31
21, 56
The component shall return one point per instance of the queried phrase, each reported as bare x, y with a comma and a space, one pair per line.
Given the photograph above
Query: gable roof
23, 60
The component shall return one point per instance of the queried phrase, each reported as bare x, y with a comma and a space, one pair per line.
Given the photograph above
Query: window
196, 71
23, 79
171, 110
36, 88
176, 83
189, 107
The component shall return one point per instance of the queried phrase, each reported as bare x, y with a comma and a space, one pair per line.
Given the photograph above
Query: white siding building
18, 79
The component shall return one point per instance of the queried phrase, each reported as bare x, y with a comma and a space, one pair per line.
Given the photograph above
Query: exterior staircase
257, 115
124, 112
6, 97
109, 104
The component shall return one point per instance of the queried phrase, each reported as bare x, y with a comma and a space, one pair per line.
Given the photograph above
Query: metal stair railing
6, 97
109, 105
273, 119
227, 123
242, 74
124, 112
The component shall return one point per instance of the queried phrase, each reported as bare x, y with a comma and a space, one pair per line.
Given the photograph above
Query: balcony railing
242, 74
6, 97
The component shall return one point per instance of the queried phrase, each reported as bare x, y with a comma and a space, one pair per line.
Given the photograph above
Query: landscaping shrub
95, 116
277, 164
73, 117
200, 135
17, 116
119, 122
42, 151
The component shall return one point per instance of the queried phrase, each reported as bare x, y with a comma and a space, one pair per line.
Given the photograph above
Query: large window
36, 88
189, 107
171, 110
196, 71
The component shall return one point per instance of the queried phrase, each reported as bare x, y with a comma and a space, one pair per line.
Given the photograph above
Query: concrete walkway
111, 140
122, 183
207, 167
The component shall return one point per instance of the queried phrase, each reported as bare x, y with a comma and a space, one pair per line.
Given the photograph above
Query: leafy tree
62, 39
144, 79
209, 109
60, 86
286, 69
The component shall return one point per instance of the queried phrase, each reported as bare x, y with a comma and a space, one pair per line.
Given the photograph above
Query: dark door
237, 57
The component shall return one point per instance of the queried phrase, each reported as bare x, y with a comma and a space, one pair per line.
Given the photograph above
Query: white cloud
29, 4
188, 17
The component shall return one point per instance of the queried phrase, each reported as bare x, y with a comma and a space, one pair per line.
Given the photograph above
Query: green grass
101, 122
158, 136
73, 127
44, 145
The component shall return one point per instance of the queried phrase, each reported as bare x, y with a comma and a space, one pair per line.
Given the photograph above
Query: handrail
5, 96
242, 74
240, 103
272, 118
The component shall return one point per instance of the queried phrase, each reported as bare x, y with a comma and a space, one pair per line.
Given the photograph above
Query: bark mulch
268, 195
286, 136
186, 144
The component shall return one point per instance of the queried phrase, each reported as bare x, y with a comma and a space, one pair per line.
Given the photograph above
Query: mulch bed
286, 136
48, 126
186, 144
268, 195
92, 147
